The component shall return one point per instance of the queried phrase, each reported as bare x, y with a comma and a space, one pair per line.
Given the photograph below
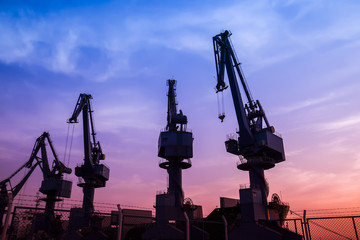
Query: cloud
343, 124
310, 102
126, 116
63, 42
320, 187
357, 162
66, 41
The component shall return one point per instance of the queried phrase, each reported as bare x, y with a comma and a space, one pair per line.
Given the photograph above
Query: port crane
53, 184
91, 171
258, 146
175, 146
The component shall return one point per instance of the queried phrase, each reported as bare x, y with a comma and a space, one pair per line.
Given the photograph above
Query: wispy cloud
343, 123
306, 103
319, 187
357, 162
67, 39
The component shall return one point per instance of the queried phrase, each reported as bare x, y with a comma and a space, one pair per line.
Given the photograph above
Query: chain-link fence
329, 228
333, 228
28, 223
294, 225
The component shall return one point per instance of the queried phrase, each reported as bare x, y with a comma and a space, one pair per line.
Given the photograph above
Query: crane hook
221, 117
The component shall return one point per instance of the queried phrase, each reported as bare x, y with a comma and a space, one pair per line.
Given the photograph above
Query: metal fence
131, 224
294, 225
333, 228
24, 221
329, 228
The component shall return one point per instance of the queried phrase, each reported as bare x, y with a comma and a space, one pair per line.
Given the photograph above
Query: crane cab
175, 145
61, 188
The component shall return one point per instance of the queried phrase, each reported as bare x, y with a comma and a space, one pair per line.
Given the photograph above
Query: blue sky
300, 59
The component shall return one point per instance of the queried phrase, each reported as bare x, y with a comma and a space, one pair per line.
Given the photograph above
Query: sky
300, 59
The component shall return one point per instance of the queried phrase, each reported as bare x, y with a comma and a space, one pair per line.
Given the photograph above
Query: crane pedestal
169, 206
53, 188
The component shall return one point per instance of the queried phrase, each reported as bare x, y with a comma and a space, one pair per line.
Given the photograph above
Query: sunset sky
300, 58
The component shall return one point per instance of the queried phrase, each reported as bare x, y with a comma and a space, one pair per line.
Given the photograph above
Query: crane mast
91, 171
174, 119
257, 145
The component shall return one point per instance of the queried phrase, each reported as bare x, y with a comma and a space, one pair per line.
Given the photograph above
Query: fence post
295, 226
9, 208
305, 226
308, 229
187, 226
120, 218
356, 233
226, 227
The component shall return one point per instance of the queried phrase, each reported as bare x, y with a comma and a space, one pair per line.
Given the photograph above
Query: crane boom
224, 59
92, 149
16, 189
59, 167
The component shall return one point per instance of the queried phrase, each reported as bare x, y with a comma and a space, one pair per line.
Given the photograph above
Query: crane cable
66, 142
22, 191
71, 142
67, 161
221, 105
